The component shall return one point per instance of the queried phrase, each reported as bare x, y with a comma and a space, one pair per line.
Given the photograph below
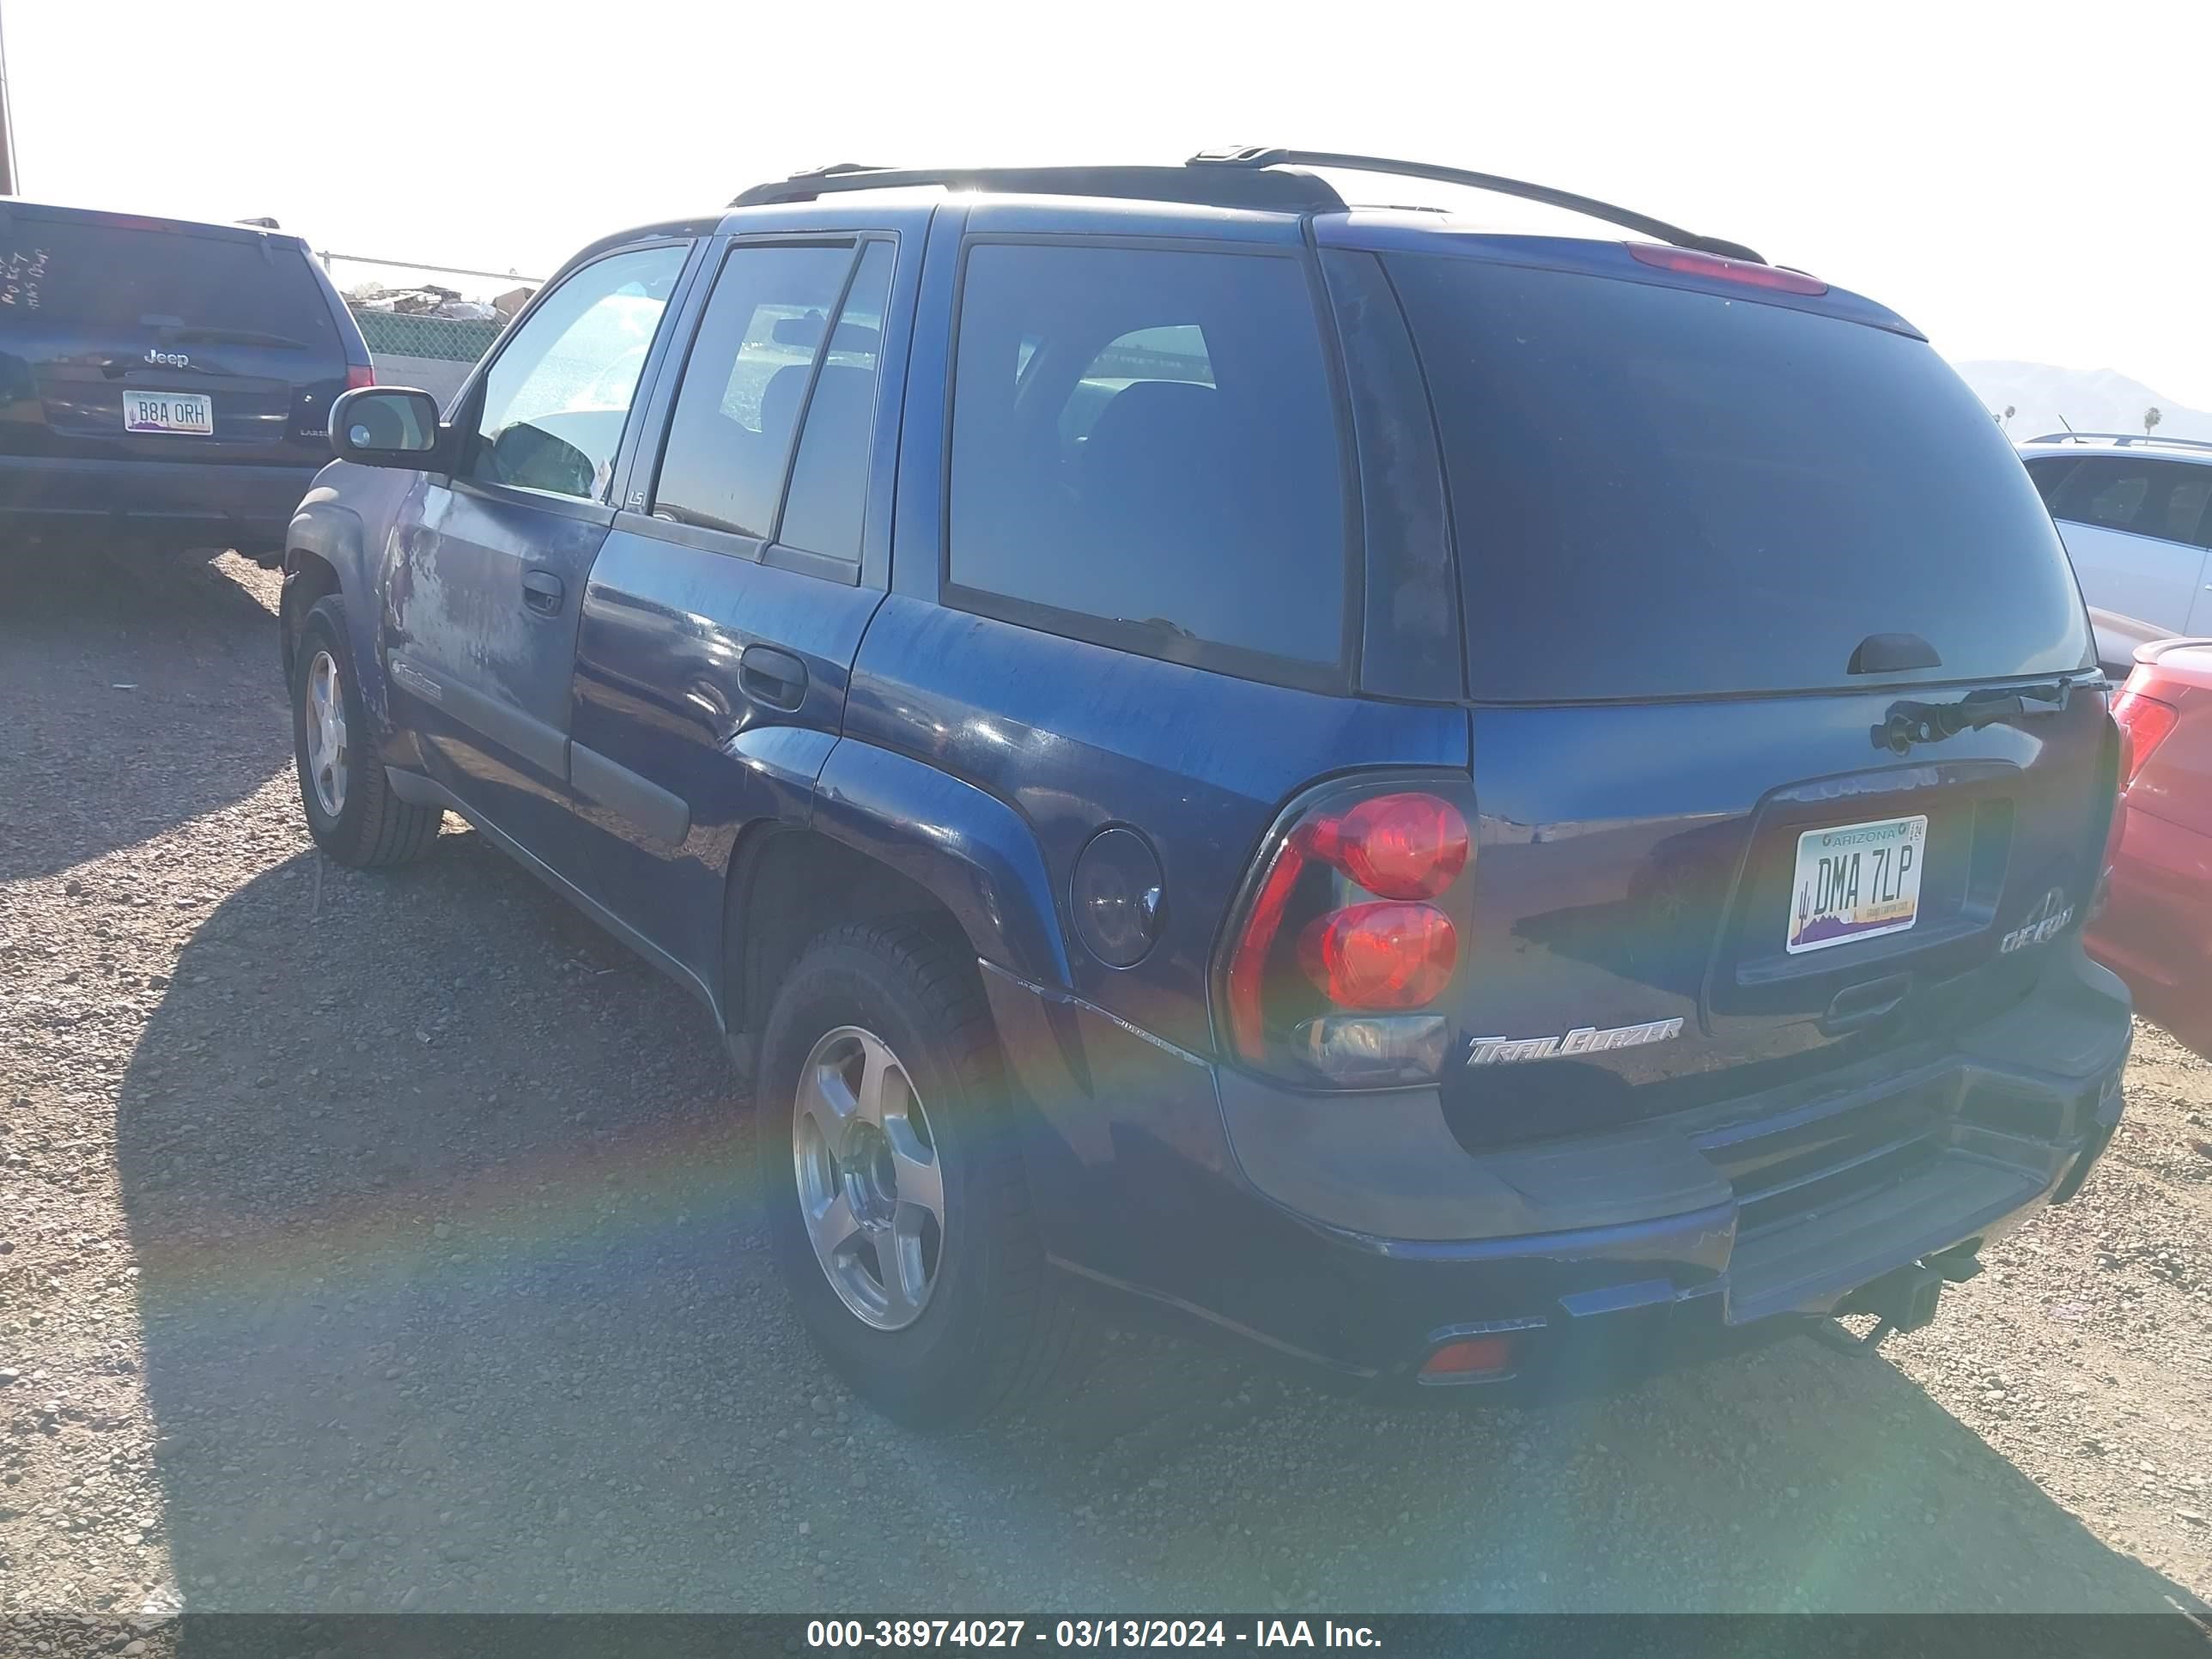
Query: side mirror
385, 426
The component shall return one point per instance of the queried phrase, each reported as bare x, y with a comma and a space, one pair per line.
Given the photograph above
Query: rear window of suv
1659, 492
87, 273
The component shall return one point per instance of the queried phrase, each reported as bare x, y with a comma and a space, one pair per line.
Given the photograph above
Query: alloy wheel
870, 1190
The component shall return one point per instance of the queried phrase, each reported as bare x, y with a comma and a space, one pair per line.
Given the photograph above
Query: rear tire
351, 811
980, 1321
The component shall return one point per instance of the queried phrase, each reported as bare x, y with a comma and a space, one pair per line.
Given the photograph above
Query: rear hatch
165, 341
1713, 539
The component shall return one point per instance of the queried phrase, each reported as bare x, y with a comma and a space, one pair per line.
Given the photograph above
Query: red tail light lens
1384, 957
2144, 723
1359, 913
1690, 262
359, 375
1400, 847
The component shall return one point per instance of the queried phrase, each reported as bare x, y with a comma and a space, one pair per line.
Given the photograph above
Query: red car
2156, 930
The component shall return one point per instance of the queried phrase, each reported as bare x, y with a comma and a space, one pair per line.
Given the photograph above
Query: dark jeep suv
1471, 808
163, 383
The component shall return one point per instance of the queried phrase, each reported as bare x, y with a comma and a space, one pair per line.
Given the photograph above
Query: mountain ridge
2047, 398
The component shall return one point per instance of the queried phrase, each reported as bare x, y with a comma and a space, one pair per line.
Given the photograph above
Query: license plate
167, 411
1857, 881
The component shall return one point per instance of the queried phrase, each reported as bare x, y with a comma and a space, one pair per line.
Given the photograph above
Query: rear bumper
1793, 1204
198, 504
2156, 929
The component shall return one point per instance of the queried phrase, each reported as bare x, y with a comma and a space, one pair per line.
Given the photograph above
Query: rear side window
1176, 353
83, 274
2048, 476
822, 510
2166, 499
1144, 452
1657, 492
744, 384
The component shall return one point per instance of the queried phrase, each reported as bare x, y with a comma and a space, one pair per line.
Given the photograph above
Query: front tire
898, 1206
351, 811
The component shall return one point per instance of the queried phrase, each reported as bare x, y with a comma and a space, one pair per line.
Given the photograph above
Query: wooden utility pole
6, 125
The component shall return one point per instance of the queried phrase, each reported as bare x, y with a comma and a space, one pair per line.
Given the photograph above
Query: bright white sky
2019, 184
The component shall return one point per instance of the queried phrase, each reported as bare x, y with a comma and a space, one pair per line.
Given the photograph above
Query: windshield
1664, 493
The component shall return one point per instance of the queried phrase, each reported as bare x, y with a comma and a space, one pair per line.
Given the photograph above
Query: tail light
2144, 723
359, 375
1350, 934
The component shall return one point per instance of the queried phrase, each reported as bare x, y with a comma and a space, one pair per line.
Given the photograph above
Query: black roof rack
1274, 192
1256, 156
1270, 180
2121, 440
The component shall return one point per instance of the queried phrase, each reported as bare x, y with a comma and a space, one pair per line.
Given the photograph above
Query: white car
2135, 514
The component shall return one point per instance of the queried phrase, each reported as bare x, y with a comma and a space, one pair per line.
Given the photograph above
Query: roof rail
1258, 157
1244, 177
2121, 440
1275, 192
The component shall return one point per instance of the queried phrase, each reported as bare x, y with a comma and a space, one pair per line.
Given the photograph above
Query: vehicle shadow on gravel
454, 1296
123, 680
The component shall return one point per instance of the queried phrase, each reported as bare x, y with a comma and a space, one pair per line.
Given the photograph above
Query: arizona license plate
169, 412
1857, 881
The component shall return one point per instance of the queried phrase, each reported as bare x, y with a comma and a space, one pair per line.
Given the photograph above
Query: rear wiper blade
235, 336
1909, 722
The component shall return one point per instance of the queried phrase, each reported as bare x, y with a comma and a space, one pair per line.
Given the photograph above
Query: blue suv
1474, 808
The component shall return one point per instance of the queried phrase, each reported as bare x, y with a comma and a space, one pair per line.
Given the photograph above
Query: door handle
772, 676
542, 592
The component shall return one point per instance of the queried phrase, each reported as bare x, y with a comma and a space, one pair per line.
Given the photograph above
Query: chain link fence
427, 326
398, 334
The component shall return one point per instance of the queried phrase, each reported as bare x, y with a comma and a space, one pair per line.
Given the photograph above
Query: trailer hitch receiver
1904, 1300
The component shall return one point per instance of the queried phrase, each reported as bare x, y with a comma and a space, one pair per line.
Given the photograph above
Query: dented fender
970, 849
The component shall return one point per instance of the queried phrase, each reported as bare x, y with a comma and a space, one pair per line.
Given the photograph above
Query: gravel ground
376, 1242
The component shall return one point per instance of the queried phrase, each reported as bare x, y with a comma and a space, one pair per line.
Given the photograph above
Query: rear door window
2147, 497
744, 384
1660, 492
1145, 452
1175, 353
823, 507
86, 274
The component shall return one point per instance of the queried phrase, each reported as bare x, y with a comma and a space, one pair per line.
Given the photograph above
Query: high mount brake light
1690, 262
1348, 899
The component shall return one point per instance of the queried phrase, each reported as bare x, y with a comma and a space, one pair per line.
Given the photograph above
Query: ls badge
1583, 1040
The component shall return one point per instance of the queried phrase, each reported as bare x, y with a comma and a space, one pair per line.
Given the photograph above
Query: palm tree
2151, 418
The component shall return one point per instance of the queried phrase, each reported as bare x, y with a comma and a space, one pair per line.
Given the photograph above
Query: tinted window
730, 435
1176, 353
83, 273
1146, 439
2150, 498
556, 397
822, 510
1657, 492
2048, 476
